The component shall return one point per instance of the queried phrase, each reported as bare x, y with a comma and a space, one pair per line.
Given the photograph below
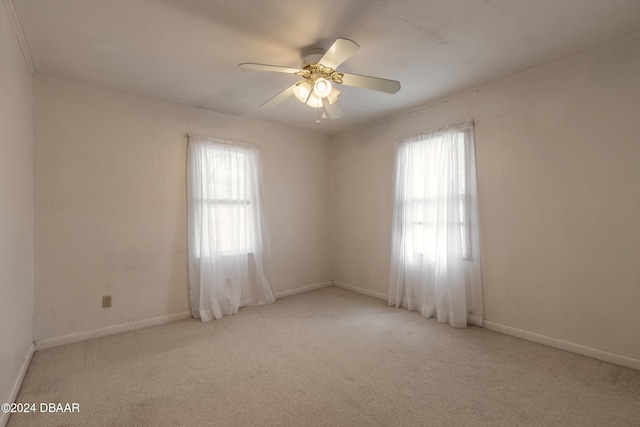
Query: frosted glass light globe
322, 88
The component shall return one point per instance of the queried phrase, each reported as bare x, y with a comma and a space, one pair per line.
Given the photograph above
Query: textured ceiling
187, 51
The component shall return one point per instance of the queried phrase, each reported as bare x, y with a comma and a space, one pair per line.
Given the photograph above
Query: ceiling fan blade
335, 110
265, 67
339, 52
278, 98
373, 83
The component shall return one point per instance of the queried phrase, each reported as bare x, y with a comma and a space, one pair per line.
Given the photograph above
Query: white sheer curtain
227, 231
435, 259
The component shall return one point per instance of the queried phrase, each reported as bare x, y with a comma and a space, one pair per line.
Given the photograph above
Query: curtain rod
222, 140
458, 125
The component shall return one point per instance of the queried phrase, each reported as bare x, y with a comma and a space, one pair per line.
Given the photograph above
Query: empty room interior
319, 213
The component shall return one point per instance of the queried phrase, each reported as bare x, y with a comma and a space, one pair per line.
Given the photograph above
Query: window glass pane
428, 176
226, 201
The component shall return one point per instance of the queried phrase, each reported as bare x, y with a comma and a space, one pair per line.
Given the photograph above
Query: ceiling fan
319, 73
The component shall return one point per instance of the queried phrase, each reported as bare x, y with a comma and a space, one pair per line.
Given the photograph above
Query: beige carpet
325, 358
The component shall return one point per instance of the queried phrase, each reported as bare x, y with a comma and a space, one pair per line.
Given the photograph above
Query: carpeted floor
325, 358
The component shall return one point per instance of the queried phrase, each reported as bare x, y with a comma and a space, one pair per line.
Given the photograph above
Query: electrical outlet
106, 301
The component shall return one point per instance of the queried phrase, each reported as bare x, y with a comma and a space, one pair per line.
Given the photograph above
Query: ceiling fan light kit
302, 90
317, 90
334, 95
312, 97
322, 87
314, 101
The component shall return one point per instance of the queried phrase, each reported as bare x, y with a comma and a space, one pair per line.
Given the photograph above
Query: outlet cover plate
106, 301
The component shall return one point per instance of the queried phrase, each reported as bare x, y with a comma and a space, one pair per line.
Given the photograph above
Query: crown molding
17, 29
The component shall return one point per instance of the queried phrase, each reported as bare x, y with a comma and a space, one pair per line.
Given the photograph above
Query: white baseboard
475, 320
4, 416
361, 290
116, 329
594, 353
110, 330
303, 289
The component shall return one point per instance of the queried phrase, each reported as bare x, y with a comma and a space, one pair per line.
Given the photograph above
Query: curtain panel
228, 243
435, 256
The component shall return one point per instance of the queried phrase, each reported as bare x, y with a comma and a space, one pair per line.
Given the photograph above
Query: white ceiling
187, 51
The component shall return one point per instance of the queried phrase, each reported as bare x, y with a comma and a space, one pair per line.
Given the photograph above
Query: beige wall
16, 209
558, 175
558, 152
110, 204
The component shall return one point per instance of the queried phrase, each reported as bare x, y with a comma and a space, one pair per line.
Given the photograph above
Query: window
226, 200
435, 255
227, 230
429, 175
